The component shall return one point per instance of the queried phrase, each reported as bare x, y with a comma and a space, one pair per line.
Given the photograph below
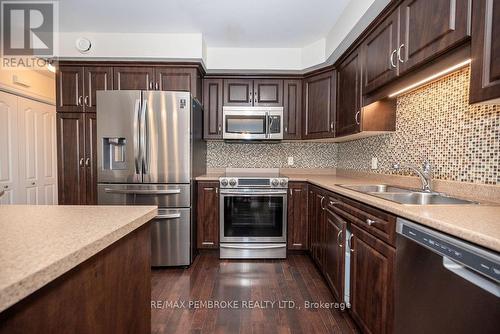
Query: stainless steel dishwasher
443, 284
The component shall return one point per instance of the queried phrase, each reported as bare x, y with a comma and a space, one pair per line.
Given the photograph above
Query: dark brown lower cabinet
316, 225
77, 158
371, 285
208, 215
297, 216
335, 229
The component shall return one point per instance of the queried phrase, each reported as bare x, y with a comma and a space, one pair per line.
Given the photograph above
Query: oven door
253, 215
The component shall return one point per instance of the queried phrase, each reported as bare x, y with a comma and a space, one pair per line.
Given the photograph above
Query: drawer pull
297, 245
207, 243
370, 222
332, 203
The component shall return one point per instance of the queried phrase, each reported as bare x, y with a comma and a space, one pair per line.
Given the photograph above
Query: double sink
406, 195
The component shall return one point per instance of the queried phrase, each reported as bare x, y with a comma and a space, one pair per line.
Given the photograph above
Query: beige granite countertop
479, 224
40, 243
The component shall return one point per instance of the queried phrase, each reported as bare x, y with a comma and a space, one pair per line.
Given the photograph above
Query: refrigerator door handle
136, 136
143, 136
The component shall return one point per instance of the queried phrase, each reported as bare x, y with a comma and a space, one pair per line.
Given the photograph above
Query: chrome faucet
424, 174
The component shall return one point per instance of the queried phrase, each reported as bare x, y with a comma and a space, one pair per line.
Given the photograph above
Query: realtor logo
28, 28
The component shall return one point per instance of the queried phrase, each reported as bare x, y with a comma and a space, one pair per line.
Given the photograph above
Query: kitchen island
75, 269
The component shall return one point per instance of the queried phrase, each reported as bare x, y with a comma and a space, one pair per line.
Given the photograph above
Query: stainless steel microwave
252, 123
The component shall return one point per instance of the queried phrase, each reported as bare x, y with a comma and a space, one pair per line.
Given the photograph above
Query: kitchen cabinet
335, 231
238, 92
133, 78
292, 109
298, 232
178, 78
253, 92
319, 114
212, 108
76, 153
485, 52
380, 54
208, 215
371, 282
268, 92
76, 87
316, 225
348, 113
429, 28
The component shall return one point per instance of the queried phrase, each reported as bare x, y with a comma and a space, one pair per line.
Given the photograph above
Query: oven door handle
246, 194
253, 247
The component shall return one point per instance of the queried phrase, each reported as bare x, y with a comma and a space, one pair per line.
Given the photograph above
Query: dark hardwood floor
295, 279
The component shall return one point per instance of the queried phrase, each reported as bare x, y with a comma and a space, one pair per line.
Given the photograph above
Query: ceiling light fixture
431, 78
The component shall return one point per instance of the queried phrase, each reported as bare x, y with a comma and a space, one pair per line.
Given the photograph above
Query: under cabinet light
431, 78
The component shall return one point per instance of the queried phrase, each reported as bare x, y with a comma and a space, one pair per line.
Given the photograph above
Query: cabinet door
96, 78
485, 50
334, 254
429, 27
133, 78
380, 54
297, 216
71, 158
348, 95
172, 78
372, 287
212, 108
90, 159
318, 117
238, 92
292, 109
316, 223
69, 89
208, 215
9, 152
268, 92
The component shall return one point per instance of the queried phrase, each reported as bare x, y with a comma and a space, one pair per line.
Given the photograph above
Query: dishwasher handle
472, 277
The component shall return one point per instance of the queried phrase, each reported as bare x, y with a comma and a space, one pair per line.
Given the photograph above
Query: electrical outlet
374, 163
290, 161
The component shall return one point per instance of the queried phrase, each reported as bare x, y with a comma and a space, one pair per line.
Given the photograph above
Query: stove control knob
283, 183
232, 182
223, 182
275, 182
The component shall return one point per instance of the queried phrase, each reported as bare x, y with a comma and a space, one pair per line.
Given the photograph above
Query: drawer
377, 222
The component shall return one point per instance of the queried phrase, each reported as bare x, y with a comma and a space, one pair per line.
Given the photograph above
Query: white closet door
8, 148
37, 150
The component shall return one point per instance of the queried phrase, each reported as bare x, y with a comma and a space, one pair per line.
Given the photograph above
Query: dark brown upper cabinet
485, 51
77, 86
96, 78
69, 87
177, 78
348, 113
268, 92
429, 28
380, 54
238, 92
212, 108
292, 109
319, 113
133, 78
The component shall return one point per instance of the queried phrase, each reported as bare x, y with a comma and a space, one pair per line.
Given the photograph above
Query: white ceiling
223, 23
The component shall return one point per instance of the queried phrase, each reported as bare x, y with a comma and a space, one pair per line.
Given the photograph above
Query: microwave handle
267, 124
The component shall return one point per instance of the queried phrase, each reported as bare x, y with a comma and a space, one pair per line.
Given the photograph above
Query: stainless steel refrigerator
149, 150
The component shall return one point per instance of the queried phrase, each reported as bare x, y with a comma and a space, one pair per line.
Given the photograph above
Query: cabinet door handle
81, 162
80, 100
339, 239
370, 222
219, 130
332, 203
321, 203
297, 245
356, 117
157, 86
399, 53
216, 190
86, 101
151, 85
87, 162
332, 125
286, 129
350, 243
393, 64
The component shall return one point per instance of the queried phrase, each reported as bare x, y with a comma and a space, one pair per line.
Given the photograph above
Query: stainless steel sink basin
417, 198
405, 195
376, 188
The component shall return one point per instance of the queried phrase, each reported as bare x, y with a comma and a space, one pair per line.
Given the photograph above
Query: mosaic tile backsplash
435, 122
305, 155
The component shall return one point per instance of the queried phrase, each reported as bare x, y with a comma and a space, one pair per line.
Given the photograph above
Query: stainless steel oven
252, 123
253, 221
